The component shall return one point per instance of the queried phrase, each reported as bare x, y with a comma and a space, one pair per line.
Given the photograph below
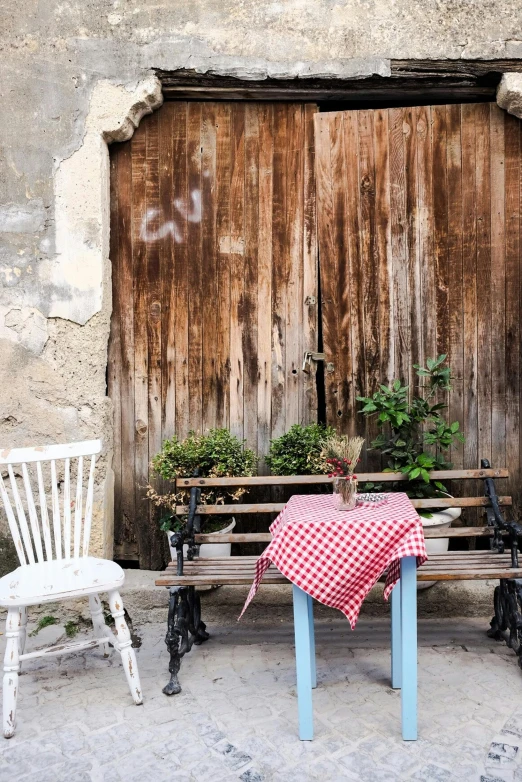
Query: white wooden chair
54, 560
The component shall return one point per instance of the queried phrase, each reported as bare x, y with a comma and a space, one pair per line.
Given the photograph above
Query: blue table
403, 651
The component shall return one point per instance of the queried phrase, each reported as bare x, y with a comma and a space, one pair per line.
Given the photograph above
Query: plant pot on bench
439, 519
208, 550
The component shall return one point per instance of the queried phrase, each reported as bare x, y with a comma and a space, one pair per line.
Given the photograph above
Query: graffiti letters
151, 230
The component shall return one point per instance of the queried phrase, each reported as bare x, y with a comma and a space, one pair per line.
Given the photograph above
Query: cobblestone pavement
236, 719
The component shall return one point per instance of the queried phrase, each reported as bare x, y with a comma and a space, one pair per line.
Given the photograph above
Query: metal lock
310, 356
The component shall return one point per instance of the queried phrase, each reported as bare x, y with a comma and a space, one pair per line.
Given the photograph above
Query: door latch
310, 356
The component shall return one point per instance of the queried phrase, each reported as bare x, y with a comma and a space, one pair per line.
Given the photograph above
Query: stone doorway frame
82, 204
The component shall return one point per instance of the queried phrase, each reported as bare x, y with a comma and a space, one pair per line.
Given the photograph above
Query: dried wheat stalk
343, 453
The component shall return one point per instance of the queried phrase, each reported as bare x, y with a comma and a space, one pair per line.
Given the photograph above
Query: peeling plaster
58, 362
76, 273
29, 218
193, 53
26, 326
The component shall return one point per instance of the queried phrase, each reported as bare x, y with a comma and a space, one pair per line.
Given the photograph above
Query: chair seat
59, 579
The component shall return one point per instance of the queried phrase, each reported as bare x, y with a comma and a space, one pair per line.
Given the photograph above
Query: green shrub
216, 454
298, 452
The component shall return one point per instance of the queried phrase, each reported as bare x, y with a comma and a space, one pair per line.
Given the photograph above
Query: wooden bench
182, 577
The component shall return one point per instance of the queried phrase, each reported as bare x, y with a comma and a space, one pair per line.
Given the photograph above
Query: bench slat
457, 566
165, 579
483, 575
276, 507
458, 502
434, 560
471, 575
377, 477
240, 537
458, 532
202, 566
266, 537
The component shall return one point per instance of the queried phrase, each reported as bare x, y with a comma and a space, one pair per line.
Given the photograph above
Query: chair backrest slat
43, 477
67, 509
13, 526
22, 521
88, 508
44, 515
45, 453
57, 525
78, 508
33, 518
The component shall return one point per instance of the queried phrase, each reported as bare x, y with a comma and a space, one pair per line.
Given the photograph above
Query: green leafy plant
44, 621
71, 628
216, 454
298, 451
414, 437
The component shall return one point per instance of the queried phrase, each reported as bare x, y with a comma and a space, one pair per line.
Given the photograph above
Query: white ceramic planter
208, 549
439, 520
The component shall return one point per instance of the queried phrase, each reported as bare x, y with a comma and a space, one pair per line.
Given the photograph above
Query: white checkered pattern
337, 556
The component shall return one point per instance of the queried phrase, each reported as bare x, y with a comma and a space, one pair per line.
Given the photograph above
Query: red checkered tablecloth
337, 556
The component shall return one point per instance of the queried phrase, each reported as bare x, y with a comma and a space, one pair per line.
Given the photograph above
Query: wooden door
214, 287
419, 239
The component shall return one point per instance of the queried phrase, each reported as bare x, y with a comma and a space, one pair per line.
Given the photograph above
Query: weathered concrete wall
62, 67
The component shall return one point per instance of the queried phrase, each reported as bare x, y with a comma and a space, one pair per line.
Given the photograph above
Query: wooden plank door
213, 249
419, 237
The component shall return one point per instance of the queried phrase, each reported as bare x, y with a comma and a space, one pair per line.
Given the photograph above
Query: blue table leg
396, 636
409, 648
312, 640
303, 661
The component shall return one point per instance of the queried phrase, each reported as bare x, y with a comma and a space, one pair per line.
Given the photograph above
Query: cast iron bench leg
408, 601
184, 628
304, 660
506, 624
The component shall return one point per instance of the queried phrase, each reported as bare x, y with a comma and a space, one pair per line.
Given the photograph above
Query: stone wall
77, 76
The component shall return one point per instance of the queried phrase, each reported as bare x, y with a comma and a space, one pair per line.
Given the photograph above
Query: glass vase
345, 492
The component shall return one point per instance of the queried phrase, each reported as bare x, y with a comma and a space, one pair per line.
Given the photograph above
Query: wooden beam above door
444, 80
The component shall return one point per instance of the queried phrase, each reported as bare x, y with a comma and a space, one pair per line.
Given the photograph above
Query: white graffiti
169, 227
194, 215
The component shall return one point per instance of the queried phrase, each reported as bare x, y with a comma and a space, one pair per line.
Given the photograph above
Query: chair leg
396, 636
312, 640
124, 646
98, 622
11, 670
409, 648
303, 664
23, 633
23, 629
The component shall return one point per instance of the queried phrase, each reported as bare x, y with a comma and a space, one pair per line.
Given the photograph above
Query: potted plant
415, 438
299, 451
216, 454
